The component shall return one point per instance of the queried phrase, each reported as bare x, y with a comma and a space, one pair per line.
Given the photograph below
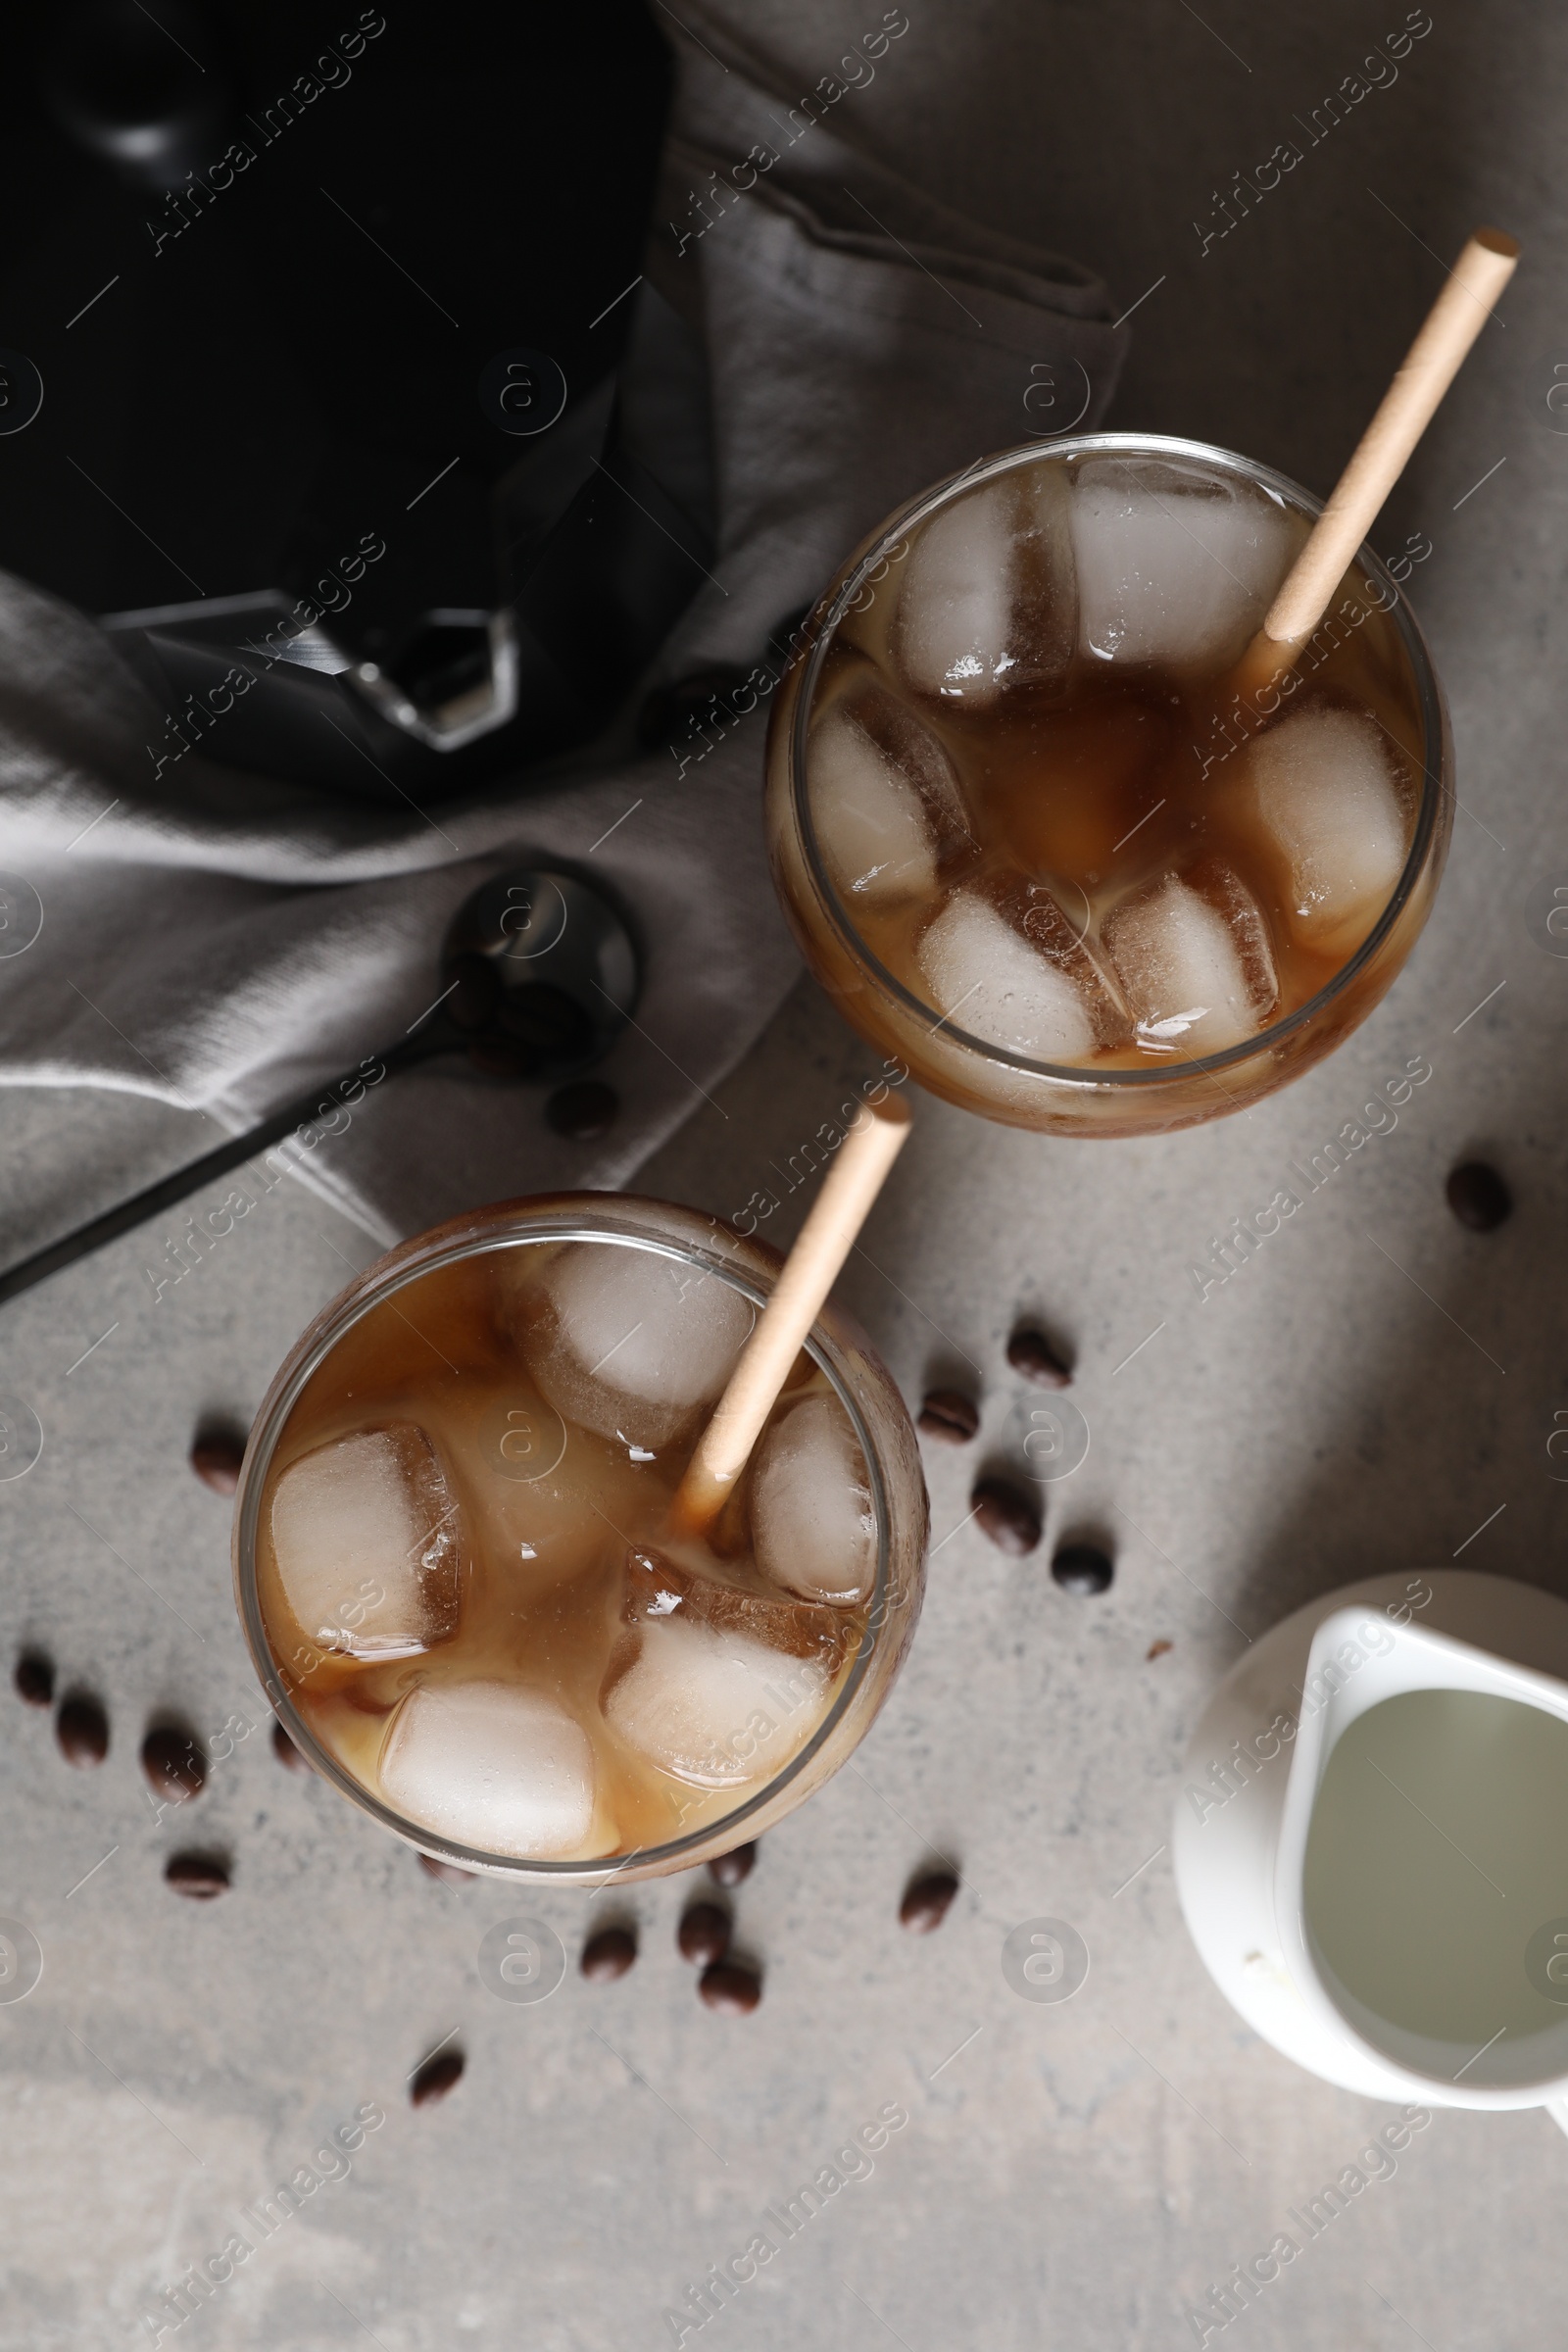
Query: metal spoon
539, 976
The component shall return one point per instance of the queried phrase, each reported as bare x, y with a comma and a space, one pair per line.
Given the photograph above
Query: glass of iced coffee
457, 1573
1037, 841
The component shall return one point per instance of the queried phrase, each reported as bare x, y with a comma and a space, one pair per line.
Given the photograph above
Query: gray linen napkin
224, 942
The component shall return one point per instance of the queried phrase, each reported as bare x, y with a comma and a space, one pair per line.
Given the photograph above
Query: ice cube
369, 1544
491, 1765
1195, 959
712, 1705
885, 798
1327, 792
813, 1525
985, 599
543, 1491
950, 635
1008, 965
1172, 567
661, 1586
630, 1343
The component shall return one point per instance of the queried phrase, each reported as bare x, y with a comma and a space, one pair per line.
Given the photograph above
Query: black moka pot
330, 383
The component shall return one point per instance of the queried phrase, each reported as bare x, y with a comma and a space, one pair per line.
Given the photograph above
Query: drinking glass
1095, 1098
706, 1249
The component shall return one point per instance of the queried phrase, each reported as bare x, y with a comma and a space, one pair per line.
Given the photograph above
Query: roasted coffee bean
451, 1874
200, 1876
584, 1112
608, 1955
34, 1677
436, 2077
1006, 1515
948, 1415
927, 1902
735, 1991
1030, 1352
1479, 1198
284, 1749
729, 1869
83, 1729
1082, 1568
215, 1457
1157, 1649
172, 1762
704, 1933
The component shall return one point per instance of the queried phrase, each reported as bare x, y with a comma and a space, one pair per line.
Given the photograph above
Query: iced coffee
458, 1567
1037, 836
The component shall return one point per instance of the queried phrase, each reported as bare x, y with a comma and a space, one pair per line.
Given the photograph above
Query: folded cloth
224, 942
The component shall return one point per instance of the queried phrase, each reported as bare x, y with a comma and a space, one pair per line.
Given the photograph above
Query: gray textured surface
1074, 2174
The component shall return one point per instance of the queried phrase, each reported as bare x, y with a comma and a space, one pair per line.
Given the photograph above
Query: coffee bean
608, 1955
436, 2077
584, 1112
734, 1991
729, 1869
172, 1762
215, 1457
1157, 1649
34, 1677
284, 1749
200, 1876
1479, 1198
83, 1729
1030, 1352
451, 1874
1006, 1515
1082, 1568
927, 1901
950, 1417
704, 1933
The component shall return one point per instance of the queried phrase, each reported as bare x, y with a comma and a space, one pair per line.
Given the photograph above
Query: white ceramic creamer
1371, 1840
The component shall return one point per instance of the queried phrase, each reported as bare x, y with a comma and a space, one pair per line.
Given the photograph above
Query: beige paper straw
1407, 408
825, 1240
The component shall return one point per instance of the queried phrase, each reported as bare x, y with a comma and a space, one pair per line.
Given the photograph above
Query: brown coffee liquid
565, 1571
1115, 774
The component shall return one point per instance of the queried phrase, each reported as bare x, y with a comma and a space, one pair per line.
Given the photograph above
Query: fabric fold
222, 941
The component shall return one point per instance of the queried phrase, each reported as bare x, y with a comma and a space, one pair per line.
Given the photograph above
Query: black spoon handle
337, 1095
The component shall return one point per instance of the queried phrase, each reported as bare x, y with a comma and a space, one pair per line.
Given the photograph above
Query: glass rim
357, 1299
823, 624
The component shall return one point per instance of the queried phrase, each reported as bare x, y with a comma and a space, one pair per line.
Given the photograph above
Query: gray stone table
1373, 1388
